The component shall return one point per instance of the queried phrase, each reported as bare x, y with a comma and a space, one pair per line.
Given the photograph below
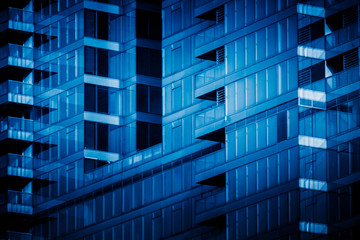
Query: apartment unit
179, 119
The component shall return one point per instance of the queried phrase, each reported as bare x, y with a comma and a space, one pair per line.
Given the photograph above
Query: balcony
199, 3
210, 161
16, 129
18, 166
16, 202
17, 19
342, 36
16, 92
16, 235
209, 35
210, 75
210, 124
211, 200
342, 79
12, 55
109, 170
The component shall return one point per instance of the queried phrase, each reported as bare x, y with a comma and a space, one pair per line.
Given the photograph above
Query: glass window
250, 90
251, 138
176, 98
272, 130
89, 135
176, 20
282, 126
102, 99
90, 97
102, 137
271, 82
90, 60
176, 137
261, 134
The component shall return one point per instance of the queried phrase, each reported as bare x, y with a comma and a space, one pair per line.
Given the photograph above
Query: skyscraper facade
179, 119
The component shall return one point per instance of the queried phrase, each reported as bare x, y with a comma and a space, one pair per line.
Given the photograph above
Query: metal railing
199, 3
210, 34
109, 170
16, 124
210, 161
342, 36
16, 161
15, 87
210, 75
20, 15
16, 236
16, 51
16, 197
342, 79
209, 116
16, 15
211, 200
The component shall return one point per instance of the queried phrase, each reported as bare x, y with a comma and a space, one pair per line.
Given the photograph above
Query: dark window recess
282, 126
342, 19
90, 135
148, 99
311, 32
350, 16
343, 61
96, 98
217, 55
217, 15
148, 62
96, 24
147, 134
311, 74
90, 98
91, 164
96, 136
148, 25
96, 61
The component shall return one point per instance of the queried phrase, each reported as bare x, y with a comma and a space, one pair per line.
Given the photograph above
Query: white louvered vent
220, 96
350, 16
304, 35
220, 14
220, 55
304, 77
351, 59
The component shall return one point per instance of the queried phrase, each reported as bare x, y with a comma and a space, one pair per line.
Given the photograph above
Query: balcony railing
210, 161
210, 34
20, 15
342, 79
16, 197
18, 165
342, 36
199, 3
19, 92
16, 236
317, 3
125, 164
210, 116
211, 200
16, 202
16, 15
16, 52
17, 128
210, 75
